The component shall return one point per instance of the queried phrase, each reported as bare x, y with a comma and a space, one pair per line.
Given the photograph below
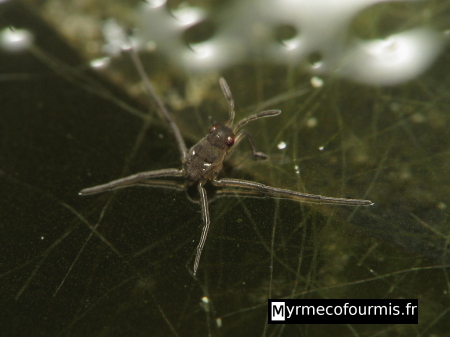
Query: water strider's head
220, 136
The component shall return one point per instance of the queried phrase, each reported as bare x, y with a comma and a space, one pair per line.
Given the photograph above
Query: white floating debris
100, 63
311, 122
316, 82
281, 145
15, 40
320, 48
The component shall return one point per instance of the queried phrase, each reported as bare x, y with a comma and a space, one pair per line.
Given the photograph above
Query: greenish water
120, 263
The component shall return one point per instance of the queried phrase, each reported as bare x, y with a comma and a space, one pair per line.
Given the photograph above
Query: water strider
204, 161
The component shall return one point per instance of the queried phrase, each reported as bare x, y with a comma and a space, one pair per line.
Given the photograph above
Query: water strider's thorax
204, 160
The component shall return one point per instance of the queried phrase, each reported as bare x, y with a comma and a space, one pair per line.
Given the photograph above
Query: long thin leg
162, 108
206, 222
134, 179
178, 186
227, 93
262, 114
249, 137
279, 192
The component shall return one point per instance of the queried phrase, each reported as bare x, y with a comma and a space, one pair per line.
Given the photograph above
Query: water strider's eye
230, 140
213, 129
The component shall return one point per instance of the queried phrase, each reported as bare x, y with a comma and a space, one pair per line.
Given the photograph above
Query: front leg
251, 142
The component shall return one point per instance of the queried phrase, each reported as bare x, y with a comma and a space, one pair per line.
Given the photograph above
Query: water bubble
281, 145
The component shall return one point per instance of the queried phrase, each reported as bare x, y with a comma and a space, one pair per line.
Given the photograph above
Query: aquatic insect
203, 162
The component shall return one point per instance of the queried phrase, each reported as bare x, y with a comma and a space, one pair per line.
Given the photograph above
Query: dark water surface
119, 263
